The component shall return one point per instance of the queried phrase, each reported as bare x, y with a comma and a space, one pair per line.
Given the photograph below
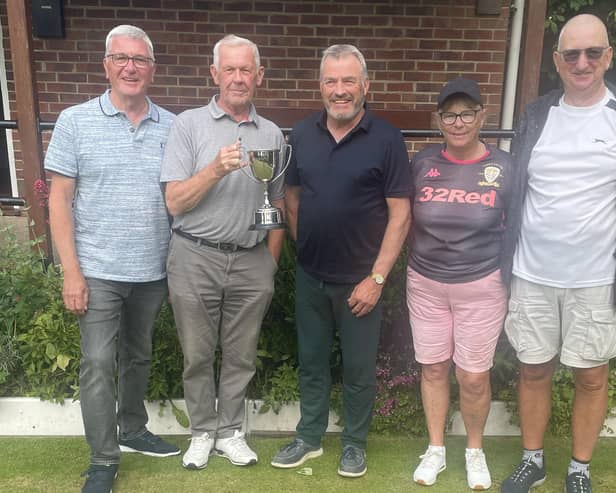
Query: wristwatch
377, 278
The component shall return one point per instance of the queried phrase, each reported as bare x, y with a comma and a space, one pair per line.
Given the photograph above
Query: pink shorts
456, 321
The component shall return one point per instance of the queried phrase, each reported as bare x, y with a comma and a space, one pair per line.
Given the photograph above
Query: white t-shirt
568, 233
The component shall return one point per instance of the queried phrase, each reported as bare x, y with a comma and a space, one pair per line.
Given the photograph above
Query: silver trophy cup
265, 167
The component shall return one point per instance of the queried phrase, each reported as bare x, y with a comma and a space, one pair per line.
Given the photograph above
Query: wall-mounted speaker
47, 18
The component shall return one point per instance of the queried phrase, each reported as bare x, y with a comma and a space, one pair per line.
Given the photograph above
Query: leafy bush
10, 359
563, 392
398, 408
39, 348
278, 337
27, 288
167, 362
283, 389
25, 282
50, 352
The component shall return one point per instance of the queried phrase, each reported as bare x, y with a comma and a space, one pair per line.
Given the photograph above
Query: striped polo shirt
120, 220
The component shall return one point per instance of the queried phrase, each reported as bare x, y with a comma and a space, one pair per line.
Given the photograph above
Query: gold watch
377, 278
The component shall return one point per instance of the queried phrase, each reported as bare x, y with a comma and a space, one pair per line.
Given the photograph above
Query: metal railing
12, 202
499, 133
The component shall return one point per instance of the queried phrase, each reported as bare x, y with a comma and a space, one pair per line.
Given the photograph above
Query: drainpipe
511, 75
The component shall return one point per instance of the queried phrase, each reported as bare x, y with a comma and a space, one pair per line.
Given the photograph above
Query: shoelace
199, 443
431, 458
150, 438
523, 470
238, 444
351, 454
579, 483
295, 444
475, 461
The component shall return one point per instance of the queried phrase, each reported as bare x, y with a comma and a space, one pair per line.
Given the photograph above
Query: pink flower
42, 191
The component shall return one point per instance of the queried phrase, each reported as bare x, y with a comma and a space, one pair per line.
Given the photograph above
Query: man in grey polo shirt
221, 275
110, 228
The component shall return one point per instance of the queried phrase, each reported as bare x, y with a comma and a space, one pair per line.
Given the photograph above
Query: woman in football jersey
462, 193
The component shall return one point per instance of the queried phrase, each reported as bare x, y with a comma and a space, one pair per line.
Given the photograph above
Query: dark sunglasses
593, 53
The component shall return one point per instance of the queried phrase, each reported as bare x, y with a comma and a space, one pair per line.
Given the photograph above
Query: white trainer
198, 453
477, 472
432, 463
236, 449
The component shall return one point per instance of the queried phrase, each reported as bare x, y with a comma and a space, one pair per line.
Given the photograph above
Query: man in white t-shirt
562, 290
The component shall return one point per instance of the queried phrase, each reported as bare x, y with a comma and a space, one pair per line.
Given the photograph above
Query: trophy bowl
265, 167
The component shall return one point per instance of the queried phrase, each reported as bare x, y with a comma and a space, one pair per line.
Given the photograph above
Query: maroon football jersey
459, 211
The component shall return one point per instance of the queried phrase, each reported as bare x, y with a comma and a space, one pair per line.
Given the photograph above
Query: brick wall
411, 47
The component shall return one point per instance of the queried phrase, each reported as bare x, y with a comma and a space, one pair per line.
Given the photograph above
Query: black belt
223, 247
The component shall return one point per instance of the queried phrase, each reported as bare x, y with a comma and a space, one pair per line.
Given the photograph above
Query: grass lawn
53, 465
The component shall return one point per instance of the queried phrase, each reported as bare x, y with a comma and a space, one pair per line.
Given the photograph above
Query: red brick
299, 7
302, 52
412, 48
314, 19
405, 21
268, 6
433, 44
269, 29
299, 30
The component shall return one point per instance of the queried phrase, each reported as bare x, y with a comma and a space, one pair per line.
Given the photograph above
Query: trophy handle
289, 147
245, 164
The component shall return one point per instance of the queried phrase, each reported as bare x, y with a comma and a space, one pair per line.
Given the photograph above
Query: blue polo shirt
120, 221
342, 210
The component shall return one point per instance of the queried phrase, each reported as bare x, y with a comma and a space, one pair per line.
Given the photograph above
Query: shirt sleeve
179, 158
61, 156
397, 169
292, 174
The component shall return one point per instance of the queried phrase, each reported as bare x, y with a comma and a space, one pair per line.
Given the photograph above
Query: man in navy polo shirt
348, 209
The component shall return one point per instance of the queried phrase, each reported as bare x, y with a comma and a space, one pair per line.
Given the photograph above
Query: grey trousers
218, 297
118, 327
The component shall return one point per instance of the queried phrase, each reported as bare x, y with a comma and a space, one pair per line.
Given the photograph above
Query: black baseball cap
460, 85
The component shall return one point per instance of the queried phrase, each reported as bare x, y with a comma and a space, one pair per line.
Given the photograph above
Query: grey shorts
578, 323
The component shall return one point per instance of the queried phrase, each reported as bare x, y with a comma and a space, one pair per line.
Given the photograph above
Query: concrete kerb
28, 416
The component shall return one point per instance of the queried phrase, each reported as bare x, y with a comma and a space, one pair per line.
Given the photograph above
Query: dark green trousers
321, 308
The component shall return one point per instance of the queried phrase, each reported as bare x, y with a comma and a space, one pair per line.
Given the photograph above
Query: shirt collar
217, 112
109, 109
364, 123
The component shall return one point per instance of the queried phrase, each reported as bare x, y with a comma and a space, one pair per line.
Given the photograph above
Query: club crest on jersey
490, 175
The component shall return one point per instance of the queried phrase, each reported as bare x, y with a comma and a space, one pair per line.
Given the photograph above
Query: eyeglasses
121, 60
593, 53
467, 116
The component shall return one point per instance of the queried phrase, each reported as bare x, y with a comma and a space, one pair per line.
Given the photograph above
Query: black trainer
526, 476
149, 444
99, 478
352, 462
577, 482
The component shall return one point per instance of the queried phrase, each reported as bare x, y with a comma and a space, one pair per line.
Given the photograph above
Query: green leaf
62, 361
180, 416
50, 350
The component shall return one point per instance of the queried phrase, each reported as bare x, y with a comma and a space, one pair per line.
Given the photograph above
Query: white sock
471, 450
577, 466
437, 448
535, 455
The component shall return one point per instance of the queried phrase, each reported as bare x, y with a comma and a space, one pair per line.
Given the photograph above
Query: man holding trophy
348, 189
222, 258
